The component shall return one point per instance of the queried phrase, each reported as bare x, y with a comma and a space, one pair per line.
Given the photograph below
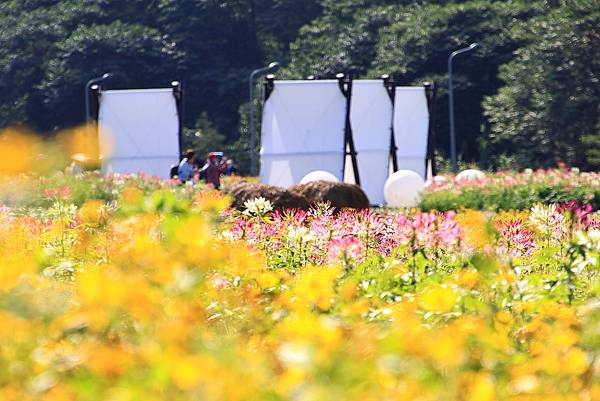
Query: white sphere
470, 175
403, 189
318, 175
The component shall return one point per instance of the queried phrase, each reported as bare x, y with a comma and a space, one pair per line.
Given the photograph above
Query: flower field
129, 288
510, 190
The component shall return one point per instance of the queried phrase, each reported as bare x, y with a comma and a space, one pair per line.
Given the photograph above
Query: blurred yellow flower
474, 228
468, 278
92, 212
108, 360
18, 151
478, 387
84, 142
575, 362
438, 299
132, 195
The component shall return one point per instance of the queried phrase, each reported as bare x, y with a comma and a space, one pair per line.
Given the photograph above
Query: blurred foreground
126, 288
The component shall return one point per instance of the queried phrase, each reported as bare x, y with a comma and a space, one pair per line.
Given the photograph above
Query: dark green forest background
528, 97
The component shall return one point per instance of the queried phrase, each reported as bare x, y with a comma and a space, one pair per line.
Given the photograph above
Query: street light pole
265, 70
451, 104
88, 112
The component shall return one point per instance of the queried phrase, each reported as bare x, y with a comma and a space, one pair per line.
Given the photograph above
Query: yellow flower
212, 201
290, 380
438, 299
108, 360
18, 150
575, 362
132, 195
82, 140
12, 270
468, 278
12, 393
348, 291
316, 286
474, 228
595, 392
101, 287
188, 371
446, 348
268, 279
92, 212
503, 317
563, 338
479, 387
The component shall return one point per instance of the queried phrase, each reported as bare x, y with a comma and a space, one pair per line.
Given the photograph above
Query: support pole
88, 88
178, 94
451, 116
95, 102
390, 88
345, 84
271, 67
451, 104
431, 93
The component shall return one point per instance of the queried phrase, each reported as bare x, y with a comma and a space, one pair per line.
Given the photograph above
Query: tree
549, 109
224, 42
412, 42
203, 138
334, 43
137, 56
35, 29
416, 46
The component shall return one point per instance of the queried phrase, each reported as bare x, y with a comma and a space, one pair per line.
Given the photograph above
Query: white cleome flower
257, 207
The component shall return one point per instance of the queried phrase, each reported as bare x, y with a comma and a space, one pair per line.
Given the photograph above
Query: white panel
416, 164
139, 131
371, 118
302, 130
411, 124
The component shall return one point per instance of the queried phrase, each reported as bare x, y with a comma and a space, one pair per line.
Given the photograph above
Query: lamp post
451, 103
265, 70
88, 112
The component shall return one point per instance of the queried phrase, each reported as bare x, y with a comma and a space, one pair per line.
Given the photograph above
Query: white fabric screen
411, 125
302, 130
139, 131
371, 119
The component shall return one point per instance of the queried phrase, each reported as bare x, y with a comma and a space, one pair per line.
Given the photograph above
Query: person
185, 171
231, 168
174, 169
214, 167
78, 161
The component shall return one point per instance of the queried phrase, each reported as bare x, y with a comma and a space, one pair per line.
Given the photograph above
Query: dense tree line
528, 97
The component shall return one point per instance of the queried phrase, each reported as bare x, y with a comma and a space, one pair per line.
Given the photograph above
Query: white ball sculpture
470, 175
318, 175
403, 189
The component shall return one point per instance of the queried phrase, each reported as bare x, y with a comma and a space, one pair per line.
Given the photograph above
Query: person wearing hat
78, 161
214, 167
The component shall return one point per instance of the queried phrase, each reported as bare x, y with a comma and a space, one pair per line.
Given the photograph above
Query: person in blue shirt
186, 168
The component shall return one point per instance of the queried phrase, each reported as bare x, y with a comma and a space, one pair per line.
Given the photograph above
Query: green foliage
133, 53
204, 138
412, 42
551, 98
527, 97
591, 142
